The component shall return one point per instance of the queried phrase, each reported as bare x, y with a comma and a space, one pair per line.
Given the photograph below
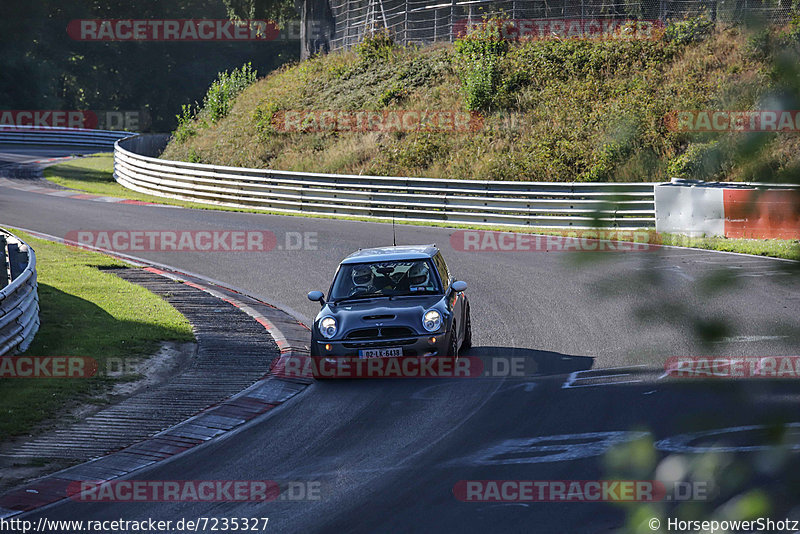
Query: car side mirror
316, 296
459, 286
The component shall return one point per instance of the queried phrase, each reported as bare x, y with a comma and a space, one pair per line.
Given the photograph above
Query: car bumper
420, 346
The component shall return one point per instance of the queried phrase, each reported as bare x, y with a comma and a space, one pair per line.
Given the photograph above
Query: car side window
441, 266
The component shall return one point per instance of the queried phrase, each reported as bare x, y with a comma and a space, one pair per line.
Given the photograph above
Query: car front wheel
452, 351
467, 343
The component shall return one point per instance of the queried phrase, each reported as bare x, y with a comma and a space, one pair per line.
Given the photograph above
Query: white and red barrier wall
696, 209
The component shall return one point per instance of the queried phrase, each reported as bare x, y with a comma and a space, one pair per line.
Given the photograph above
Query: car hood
399, 311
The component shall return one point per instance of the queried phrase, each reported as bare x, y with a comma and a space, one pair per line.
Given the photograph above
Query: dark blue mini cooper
392, 302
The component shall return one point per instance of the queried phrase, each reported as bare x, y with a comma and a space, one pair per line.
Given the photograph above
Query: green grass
776, 248
93, 174
84, 312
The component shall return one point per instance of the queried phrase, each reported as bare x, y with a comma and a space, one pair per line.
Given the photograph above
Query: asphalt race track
387, 453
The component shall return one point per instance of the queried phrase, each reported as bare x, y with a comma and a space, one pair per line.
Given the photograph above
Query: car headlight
328, 327
432, 320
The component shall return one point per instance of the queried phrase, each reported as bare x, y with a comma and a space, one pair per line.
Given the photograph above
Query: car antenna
394, 236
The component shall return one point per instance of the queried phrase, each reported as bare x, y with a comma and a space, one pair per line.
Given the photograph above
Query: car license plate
380, 353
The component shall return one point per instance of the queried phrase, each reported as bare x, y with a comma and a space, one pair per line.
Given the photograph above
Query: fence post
452, 18
405, 23
346, 34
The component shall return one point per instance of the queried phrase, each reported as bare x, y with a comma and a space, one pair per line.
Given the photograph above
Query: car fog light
432, 340
328, 346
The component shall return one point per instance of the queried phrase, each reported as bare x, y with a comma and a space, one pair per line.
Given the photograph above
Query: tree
316, 19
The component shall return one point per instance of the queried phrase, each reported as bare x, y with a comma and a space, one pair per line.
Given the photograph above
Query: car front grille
382, 332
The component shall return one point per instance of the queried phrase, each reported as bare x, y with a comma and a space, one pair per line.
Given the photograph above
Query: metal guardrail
19, 300
474, 202
61, 137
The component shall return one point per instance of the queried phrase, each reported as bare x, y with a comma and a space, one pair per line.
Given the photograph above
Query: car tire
452, 350
467, 343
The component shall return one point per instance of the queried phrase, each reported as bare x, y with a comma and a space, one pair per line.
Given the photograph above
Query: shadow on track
521, 362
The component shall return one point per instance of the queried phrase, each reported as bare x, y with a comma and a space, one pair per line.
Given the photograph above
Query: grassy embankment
568, 110
84, 312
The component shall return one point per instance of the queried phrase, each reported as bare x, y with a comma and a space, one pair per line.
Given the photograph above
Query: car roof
399, 252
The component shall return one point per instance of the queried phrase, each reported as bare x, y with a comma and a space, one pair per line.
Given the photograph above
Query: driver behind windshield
384, 279
366, 281
363, 278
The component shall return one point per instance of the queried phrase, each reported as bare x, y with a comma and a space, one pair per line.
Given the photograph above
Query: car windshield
385, 279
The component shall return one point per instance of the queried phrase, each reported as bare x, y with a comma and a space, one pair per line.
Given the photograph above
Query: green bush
759, 45
186, 124
263, 116
216, 104
791, 37
698, 162
194, 156
377, 46
689, 30
395, 92
478, 63
220, 96
418, 151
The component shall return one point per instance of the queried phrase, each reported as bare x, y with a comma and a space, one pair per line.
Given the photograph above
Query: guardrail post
4, 280
17, 260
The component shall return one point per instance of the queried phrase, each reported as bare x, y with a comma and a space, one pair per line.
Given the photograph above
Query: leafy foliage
185, 128
44, 68
478, 58
696, 163
277, 10
220, 96
376, 46
216, 104
689, 30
